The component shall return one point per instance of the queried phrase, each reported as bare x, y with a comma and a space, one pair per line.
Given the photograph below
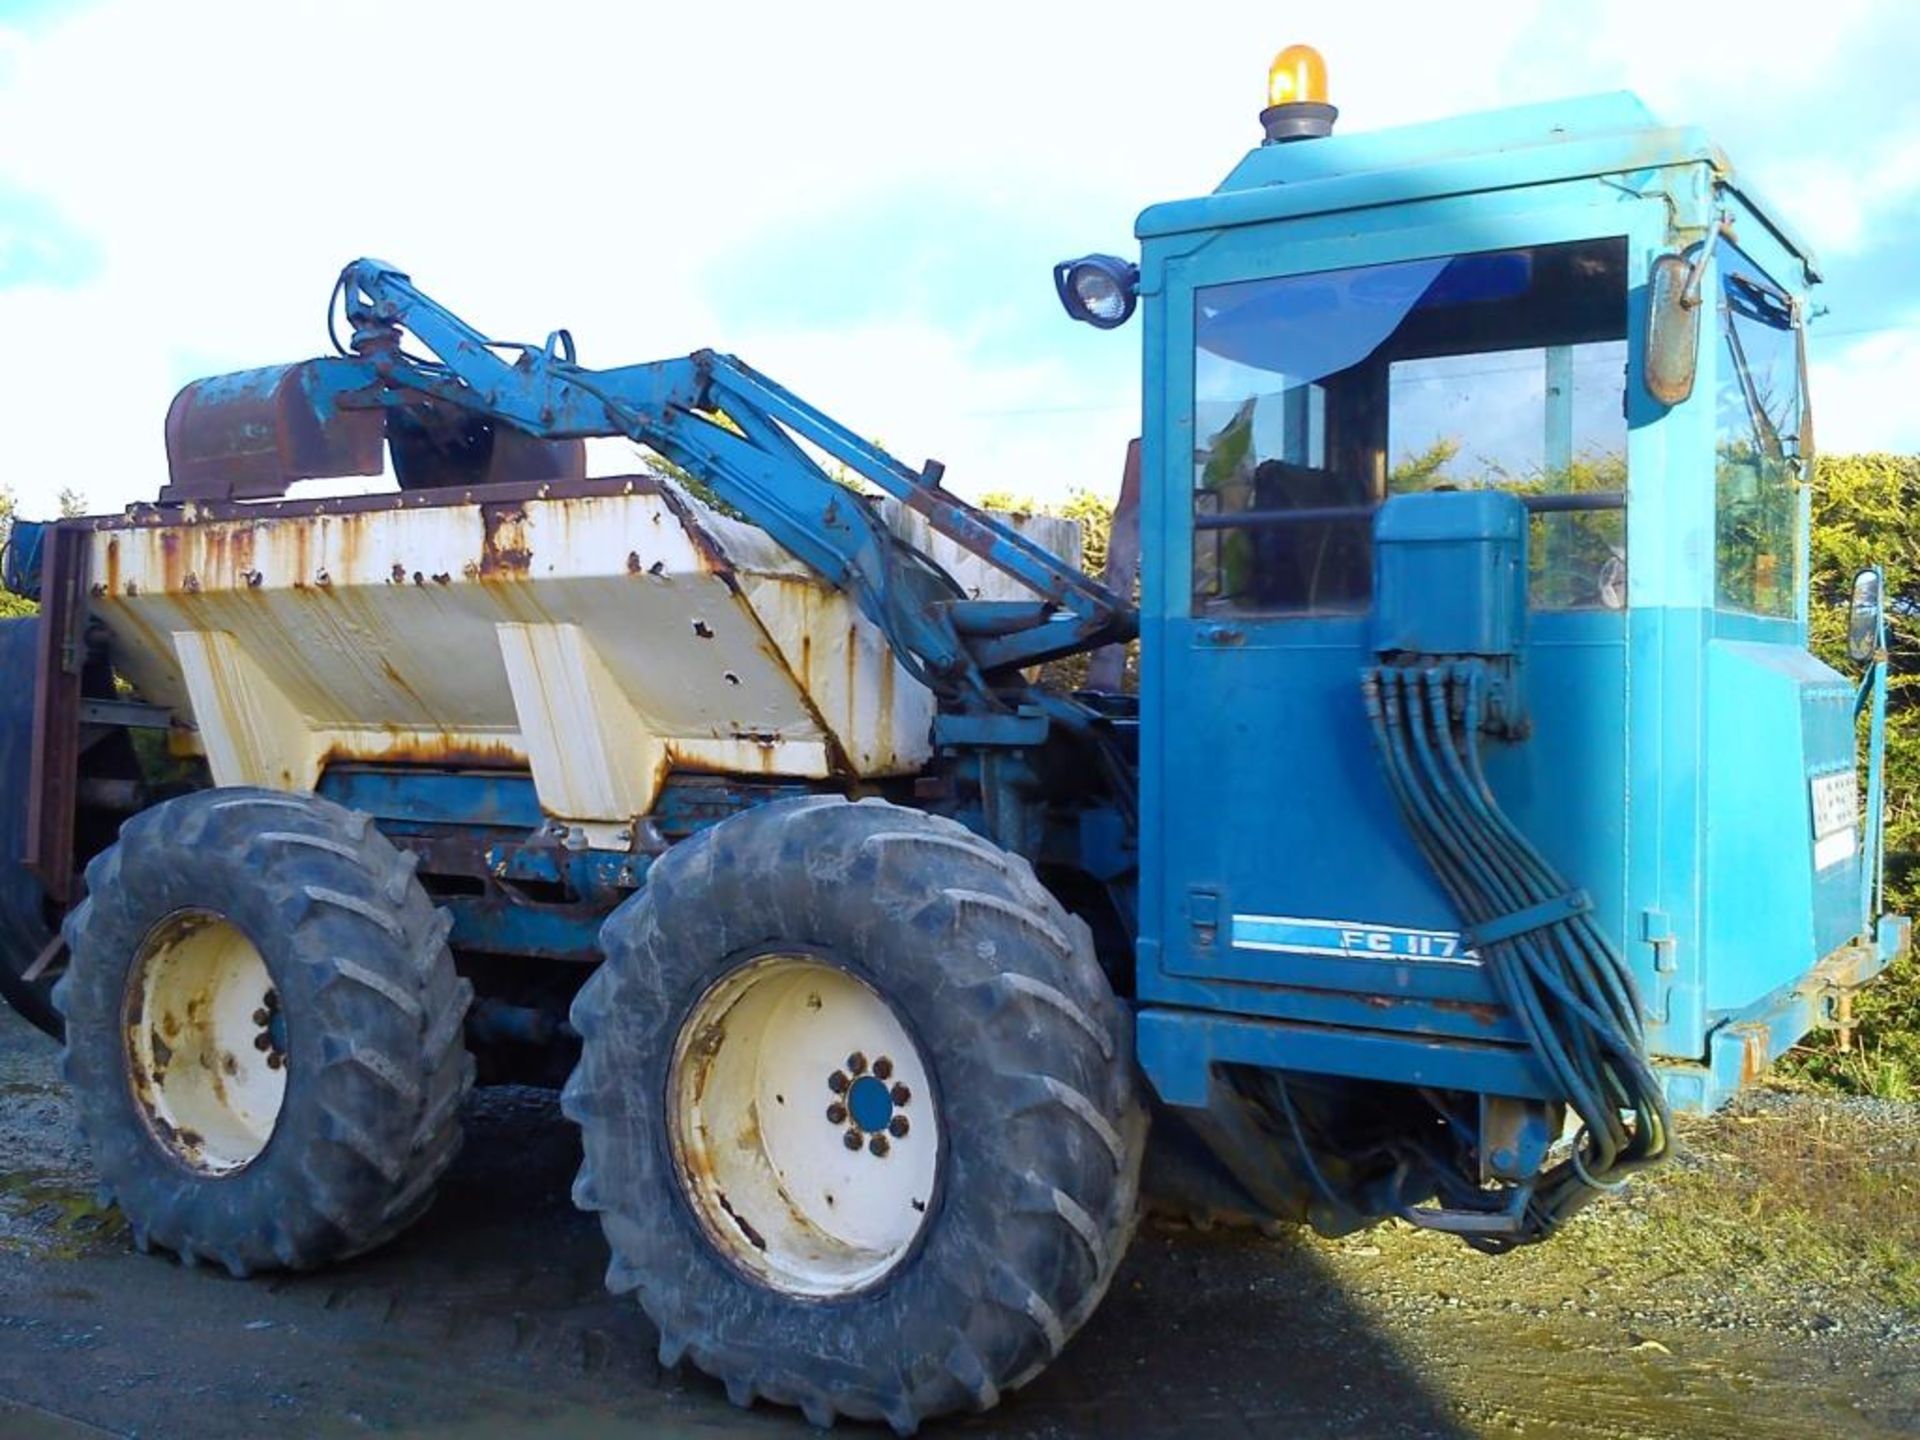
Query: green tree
1422, 471
1866, 511
1094, 512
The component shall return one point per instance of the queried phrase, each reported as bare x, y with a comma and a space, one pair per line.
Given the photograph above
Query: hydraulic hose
1568, 988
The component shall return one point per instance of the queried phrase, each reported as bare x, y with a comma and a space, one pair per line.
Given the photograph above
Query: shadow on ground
490, 1319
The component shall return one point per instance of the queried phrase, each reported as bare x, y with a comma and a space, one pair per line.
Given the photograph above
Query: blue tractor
1478, 805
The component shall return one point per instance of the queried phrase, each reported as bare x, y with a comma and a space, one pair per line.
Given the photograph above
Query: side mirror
1673, 330
1863, 623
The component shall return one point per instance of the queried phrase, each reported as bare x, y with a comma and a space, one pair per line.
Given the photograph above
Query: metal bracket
1550, 912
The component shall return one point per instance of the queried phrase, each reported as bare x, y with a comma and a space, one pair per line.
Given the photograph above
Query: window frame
1800, 486
1256, 520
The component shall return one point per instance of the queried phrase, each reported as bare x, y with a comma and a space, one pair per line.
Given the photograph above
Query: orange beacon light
1297, 107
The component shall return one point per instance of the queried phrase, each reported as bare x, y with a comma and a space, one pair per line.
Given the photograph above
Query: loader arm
733, 429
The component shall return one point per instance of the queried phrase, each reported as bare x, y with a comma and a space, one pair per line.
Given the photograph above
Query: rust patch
441, 751
505, 550
754, 1238
1753, 1055
170, 564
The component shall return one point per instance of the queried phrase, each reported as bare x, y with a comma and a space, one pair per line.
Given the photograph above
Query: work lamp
1099, 289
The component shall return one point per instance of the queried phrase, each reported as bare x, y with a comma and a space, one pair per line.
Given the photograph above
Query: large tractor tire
859, 1112
264, 1031
25, 930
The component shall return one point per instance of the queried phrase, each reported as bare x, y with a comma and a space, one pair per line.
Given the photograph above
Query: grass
1817, 1189
1882, 1056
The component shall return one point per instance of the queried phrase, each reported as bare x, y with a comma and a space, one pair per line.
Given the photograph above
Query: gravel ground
1767, 1285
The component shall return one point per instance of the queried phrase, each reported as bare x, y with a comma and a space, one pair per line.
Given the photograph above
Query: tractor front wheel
858, 1111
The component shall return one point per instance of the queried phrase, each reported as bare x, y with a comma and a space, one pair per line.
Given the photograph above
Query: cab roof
1609, 134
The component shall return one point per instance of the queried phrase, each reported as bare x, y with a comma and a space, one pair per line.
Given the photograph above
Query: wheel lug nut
855, 1139
898, 1125
837, 1113
837, 1082
901, 1094
857, 1063
879, 1146
883, 1068
275, 1060
262, 1017
272, 1000
263, 1042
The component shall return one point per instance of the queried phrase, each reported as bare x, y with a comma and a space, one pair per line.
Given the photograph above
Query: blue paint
570, 933
1450, 574
20, 572
759, 463
870, 1104
1178, 1048
1669, 744
496, 799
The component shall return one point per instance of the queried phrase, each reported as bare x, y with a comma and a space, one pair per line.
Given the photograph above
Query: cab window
1316, 396
1759, 466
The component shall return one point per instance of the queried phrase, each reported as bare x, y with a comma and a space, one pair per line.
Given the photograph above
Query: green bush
1866, 511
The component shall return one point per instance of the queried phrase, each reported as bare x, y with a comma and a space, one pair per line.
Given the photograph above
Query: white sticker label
1836, 818
1350, 940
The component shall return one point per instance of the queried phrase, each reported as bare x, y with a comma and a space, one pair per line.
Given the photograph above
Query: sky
862, 200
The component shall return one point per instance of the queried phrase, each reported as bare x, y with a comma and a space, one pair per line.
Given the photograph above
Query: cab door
1306, 377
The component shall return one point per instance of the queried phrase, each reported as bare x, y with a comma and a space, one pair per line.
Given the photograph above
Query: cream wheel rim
804, 1129
206, 1042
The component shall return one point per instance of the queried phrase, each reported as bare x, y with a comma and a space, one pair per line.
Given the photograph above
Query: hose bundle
1565, 984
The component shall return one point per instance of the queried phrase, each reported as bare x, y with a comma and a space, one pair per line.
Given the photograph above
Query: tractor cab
1526, 390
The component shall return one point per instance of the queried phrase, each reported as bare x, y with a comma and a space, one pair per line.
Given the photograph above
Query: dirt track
489, 1320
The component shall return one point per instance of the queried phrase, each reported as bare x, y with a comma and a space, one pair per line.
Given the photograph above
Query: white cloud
584, 165
1863, 389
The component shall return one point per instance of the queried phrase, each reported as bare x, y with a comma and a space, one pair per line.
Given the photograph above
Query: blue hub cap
869, 1103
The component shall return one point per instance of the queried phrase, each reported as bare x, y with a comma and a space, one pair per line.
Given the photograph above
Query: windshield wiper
1773, 308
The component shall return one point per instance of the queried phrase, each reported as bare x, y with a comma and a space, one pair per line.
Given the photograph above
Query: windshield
1318, 395
1758, 465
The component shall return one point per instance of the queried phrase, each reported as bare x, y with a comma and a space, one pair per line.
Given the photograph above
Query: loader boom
733, 429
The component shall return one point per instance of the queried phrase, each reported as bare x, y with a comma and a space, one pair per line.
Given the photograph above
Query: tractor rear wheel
858, 1111
264, 1031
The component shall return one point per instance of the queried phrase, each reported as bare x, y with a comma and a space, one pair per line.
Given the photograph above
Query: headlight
1099, 289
